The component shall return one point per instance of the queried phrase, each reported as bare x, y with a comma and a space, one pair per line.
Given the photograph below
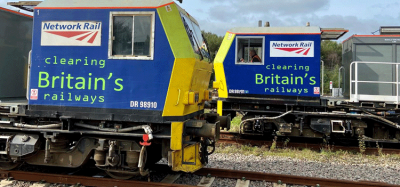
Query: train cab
123, 82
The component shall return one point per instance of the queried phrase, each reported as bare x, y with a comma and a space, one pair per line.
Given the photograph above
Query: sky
358, 16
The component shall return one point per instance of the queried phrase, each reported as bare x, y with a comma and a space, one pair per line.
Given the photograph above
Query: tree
214, 42
331, 54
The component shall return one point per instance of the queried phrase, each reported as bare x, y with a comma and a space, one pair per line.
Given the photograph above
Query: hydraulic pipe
50, 126
146, 128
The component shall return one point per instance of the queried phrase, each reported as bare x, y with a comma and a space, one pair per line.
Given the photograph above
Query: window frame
111, 34
250, 37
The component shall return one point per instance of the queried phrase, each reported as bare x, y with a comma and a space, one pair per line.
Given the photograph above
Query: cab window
196, 39
202, 41
250, 50
131, 35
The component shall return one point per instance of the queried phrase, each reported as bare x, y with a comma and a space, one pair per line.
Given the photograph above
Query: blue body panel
142, 80
249, 80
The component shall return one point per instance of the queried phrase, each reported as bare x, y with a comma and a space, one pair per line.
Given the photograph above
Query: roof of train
15, 12
103, 3
371, 36
276, 30
109, 4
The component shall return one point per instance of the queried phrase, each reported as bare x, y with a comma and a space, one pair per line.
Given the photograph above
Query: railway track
209, 174
235, 138
243, 179
288, 179
81, 180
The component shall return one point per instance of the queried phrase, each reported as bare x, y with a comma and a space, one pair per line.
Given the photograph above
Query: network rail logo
71, 33
292, 48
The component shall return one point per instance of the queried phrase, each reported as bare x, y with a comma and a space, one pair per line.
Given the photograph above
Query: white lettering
143, 104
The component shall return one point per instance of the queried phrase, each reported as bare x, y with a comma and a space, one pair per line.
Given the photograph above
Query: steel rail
288, 179
221, 173
85, 181
233, 138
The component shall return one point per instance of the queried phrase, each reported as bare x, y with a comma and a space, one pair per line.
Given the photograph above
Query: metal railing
356, 96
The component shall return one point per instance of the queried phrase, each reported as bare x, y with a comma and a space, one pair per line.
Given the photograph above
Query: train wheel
9, 165
153, 155
125, 175
121, 176
246, 126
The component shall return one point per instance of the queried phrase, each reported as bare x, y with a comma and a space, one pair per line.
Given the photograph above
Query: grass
309, 155
235, 123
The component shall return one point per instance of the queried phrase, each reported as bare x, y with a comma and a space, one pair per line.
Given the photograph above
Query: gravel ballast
290, 166
357, 169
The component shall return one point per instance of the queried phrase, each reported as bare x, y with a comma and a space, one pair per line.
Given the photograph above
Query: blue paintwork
143, 80
242, 78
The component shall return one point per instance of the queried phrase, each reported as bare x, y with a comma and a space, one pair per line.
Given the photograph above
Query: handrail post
322, 93
351, 80
356, 80
397, 85
339, 82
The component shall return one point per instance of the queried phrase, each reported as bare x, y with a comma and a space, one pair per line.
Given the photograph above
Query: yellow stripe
176, 32
188, 74
182, 71
219, 66
219, 107
180, 83
176, 135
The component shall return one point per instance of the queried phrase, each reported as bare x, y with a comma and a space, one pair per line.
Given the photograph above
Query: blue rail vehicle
122, 81
264, 73
282, 65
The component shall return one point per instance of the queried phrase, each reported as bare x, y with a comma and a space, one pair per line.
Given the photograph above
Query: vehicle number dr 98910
143, 104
